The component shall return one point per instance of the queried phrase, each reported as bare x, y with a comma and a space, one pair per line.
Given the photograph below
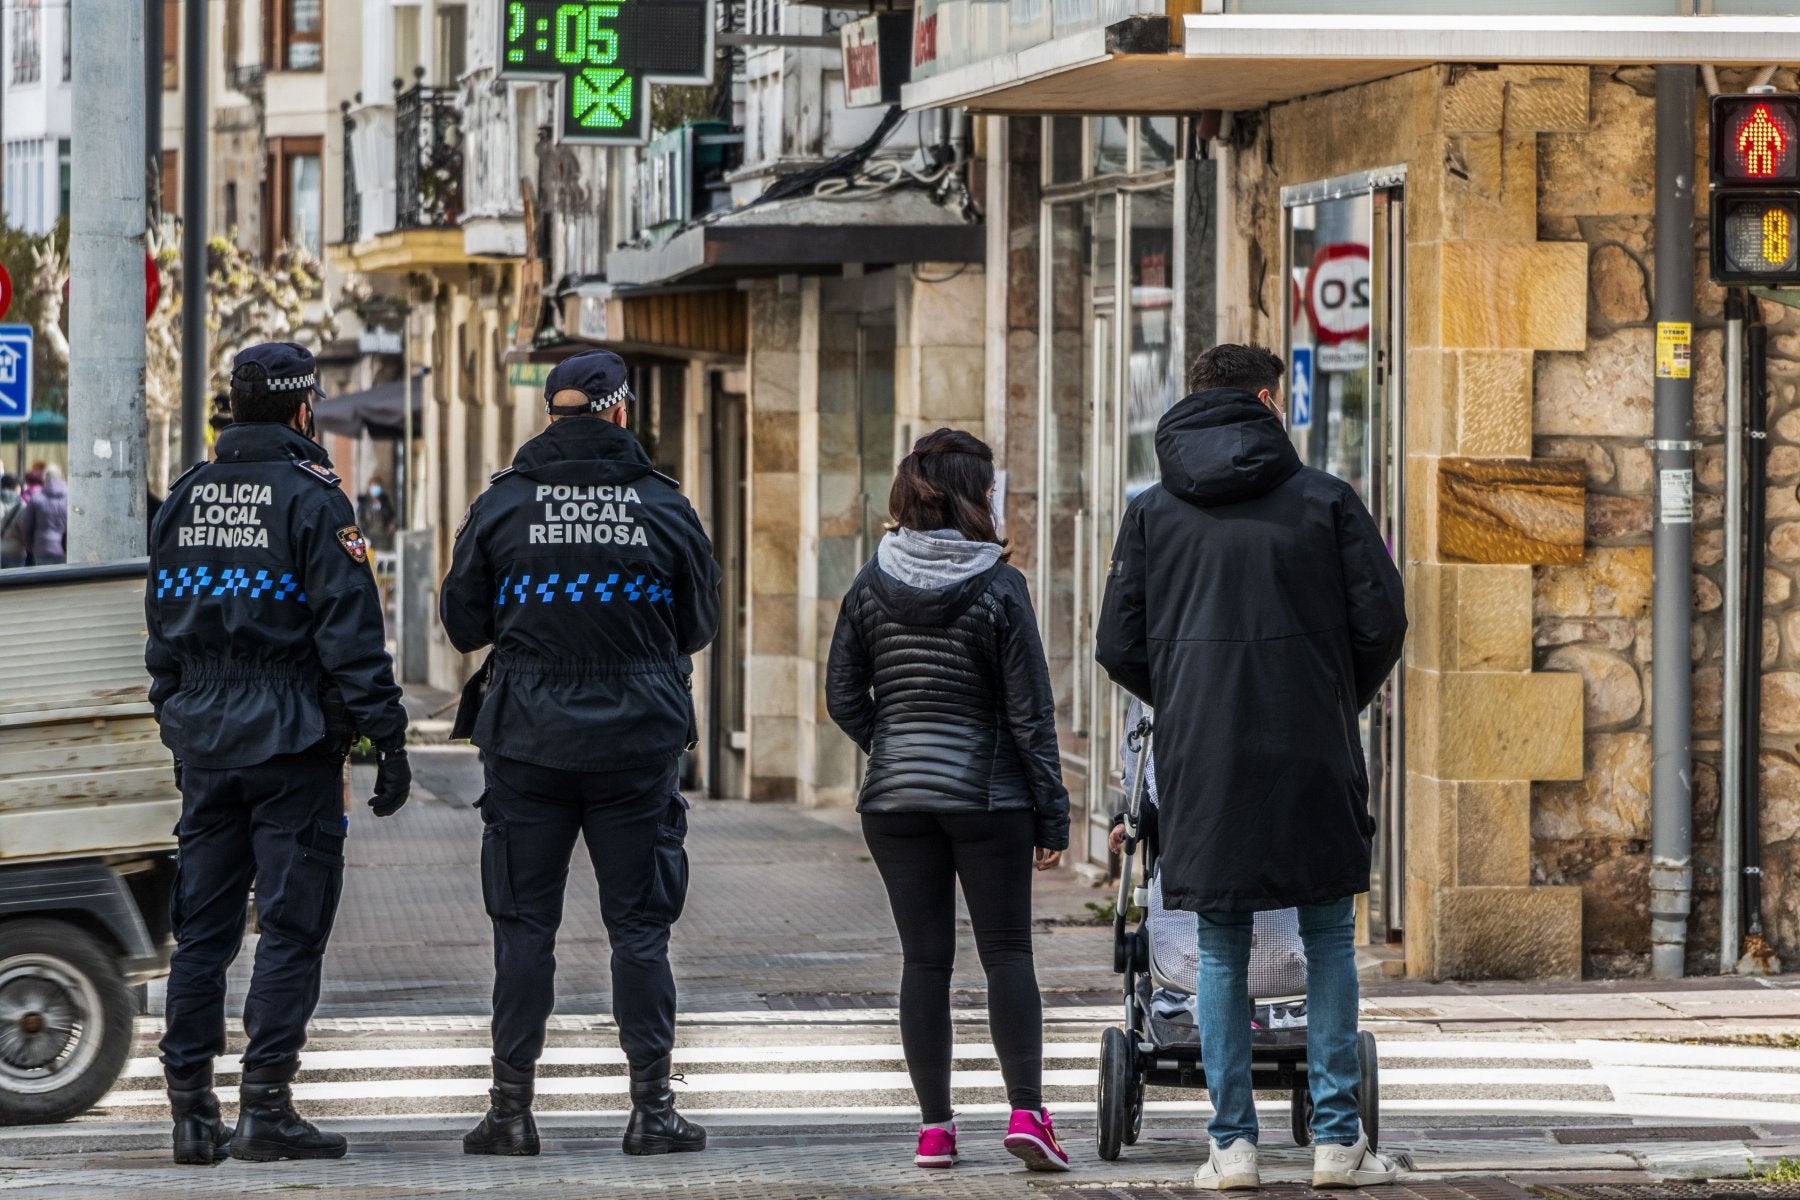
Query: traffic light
1755, 161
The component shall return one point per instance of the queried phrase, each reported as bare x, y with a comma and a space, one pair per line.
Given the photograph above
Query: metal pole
1757, 956
153, 98
107, 427
194, 119
1671, 840
1731, 750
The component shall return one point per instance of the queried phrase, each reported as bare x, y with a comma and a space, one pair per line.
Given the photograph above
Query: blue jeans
1222, 1010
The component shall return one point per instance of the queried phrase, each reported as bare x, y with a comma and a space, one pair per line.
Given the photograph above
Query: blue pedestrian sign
1300, 390
15, 373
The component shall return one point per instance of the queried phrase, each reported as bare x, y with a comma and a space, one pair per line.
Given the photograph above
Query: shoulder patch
318, 471
497, 476
464, 523
668, 479
351, 538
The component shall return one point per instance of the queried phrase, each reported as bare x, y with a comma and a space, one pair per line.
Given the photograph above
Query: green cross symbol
602, 98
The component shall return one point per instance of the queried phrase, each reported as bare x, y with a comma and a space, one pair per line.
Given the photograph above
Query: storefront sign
1300, 389
606, 56
1341, 357
877, 59
378, 341
528, 375
925, 39
1337, 293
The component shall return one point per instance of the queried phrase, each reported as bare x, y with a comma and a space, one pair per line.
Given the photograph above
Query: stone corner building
1494, 410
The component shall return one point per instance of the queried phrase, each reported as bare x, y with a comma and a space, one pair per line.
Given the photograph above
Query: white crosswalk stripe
792, 1079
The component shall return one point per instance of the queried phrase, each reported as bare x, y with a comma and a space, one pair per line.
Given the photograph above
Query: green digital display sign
605, 56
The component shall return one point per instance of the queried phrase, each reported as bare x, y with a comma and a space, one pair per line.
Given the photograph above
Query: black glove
393, 783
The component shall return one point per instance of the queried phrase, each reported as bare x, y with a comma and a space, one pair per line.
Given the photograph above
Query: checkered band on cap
295, 384
618, 395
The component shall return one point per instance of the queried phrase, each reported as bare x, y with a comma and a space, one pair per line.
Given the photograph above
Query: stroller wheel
1118, 1083
1368, 1091
1135, 1126
1300, 1111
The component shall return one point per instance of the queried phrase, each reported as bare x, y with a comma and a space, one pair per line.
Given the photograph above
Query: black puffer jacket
1253, 602
946, 689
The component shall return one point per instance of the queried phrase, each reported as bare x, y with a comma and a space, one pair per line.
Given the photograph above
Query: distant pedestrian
591, 577
1252, 602
936, 672
12, 534
34, 481
375, 513
45, 522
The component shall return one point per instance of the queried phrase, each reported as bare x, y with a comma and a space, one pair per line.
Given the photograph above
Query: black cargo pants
279, 825
635, 823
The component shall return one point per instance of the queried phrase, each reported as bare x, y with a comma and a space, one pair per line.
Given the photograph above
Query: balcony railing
428, 157
352, 194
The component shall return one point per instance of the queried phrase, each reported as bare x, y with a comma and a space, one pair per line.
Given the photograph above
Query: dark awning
377, 411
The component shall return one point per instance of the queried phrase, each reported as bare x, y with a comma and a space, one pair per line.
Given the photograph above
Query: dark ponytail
944, 484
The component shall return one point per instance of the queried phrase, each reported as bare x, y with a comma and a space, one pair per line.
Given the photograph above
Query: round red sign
1337, 293
5, 290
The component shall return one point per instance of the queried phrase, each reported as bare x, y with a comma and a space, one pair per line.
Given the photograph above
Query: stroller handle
1138, 742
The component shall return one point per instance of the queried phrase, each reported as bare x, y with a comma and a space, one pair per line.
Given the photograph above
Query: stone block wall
1595, 408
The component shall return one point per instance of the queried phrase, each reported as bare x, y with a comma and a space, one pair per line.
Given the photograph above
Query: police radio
1754, 155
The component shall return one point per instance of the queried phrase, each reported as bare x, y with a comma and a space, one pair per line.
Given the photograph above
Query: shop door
1344, 249
1108, 376
727, 726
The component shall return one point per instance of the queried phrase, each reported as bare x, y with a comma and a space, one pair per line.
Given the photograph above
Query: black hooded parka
1252, 601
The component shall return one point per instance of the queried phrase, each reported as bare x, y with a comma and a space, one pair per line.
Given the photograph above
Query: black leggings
921, 856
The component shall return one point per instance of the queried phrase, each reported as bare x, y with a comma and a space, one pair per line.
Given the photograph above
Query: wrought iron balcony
428, 158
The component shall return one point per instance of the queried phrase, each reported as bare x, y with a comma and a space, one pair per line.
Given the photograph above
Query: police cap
600, 375
275, 367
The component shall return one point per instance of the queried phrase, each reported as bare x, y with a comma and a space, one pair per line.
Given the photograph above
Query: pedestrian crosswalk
807, 1070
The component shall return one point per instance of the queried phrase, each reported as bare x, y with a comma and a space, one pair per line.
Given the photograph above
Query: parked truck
88, 808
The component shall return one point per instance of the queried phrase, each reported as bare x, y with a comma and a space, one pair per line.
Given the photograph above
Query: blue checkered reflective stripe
524, 589
202, 580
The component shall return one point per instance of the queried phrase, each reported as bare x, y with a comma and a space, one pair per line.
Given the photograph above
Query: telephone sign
1754, 154
606, 56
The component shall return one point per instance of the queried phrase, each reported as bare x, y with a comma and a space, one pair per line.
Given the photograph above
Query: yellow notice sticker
1674, 349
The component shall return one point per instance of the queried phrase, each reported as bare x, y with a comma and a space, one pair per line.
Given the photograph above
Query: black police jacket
263, 612
591, 577
946, 690
1253, 602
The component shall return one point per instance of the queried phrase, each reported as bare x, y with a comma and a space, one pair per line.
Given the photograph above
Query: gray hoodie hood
930, 561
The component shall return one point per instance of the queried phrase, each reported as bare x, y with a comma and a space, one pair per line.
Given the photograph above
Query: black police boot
508, 1127
269, 1129
655, 1127
200, 1137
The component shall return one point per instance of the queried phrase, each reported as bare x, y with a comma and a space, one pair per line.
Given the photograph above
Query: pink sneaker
1032, 1139
937, 1148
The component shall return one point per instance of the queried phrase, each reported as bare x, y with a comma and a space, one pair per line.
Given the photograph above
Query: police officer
590, 576
267, 657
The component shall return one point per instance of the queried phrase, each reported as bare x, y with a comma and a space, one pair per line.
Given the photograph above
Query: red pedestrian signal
1754, 154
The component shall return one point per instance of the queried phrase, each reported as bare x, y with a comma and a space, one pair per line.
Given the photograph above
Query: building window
26, 31
765, 16
63, 175
293, 35
406, 42
231, 209
68, 46
171, 47
452, 43
295, 198
25, 202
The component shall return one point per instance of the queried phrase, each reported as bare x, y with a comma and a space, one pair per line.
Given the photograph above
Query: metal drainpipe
1731, 748
1671, 843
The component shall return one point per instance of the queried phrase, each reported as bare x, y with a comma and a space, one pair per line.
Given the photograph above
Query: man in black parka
1252, 601
267, 657
591, 578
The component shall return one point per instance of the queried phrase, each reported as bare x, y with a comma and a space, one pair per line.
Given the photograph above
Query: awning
377, 411
1241, 61
805, 235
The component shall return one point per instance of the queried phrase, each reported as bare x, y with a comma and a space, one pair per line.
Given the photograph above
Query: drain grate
1602, 1136
1724, 1189
838, 1001
1407, 1189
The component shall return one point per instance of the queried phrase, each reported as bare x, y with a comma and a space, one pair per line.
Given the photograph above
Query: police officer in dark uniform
267, 657
592, 579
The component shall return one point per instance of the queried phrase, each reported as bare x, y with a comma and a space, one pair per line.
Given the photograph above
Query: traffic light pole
1671, 729
108, 430
194, 119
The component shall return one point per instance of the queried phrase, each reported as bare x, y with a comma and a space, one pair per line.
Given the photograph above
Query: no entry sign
1337, 293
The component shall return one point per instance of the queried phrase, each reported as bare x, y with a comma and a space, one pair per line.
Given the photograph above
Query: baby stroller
1160, 1043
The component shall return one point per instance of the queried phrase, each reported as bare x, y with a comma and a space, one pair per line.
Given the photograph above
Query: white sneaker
1351, 1166
1230, 1168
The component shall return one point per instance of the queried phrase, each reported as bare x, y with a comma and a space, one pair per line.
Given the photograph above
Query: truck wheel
65, 1021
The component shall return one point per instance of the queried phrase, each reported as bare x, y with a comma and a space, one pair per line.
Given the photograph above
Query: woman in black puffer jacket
936, 671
